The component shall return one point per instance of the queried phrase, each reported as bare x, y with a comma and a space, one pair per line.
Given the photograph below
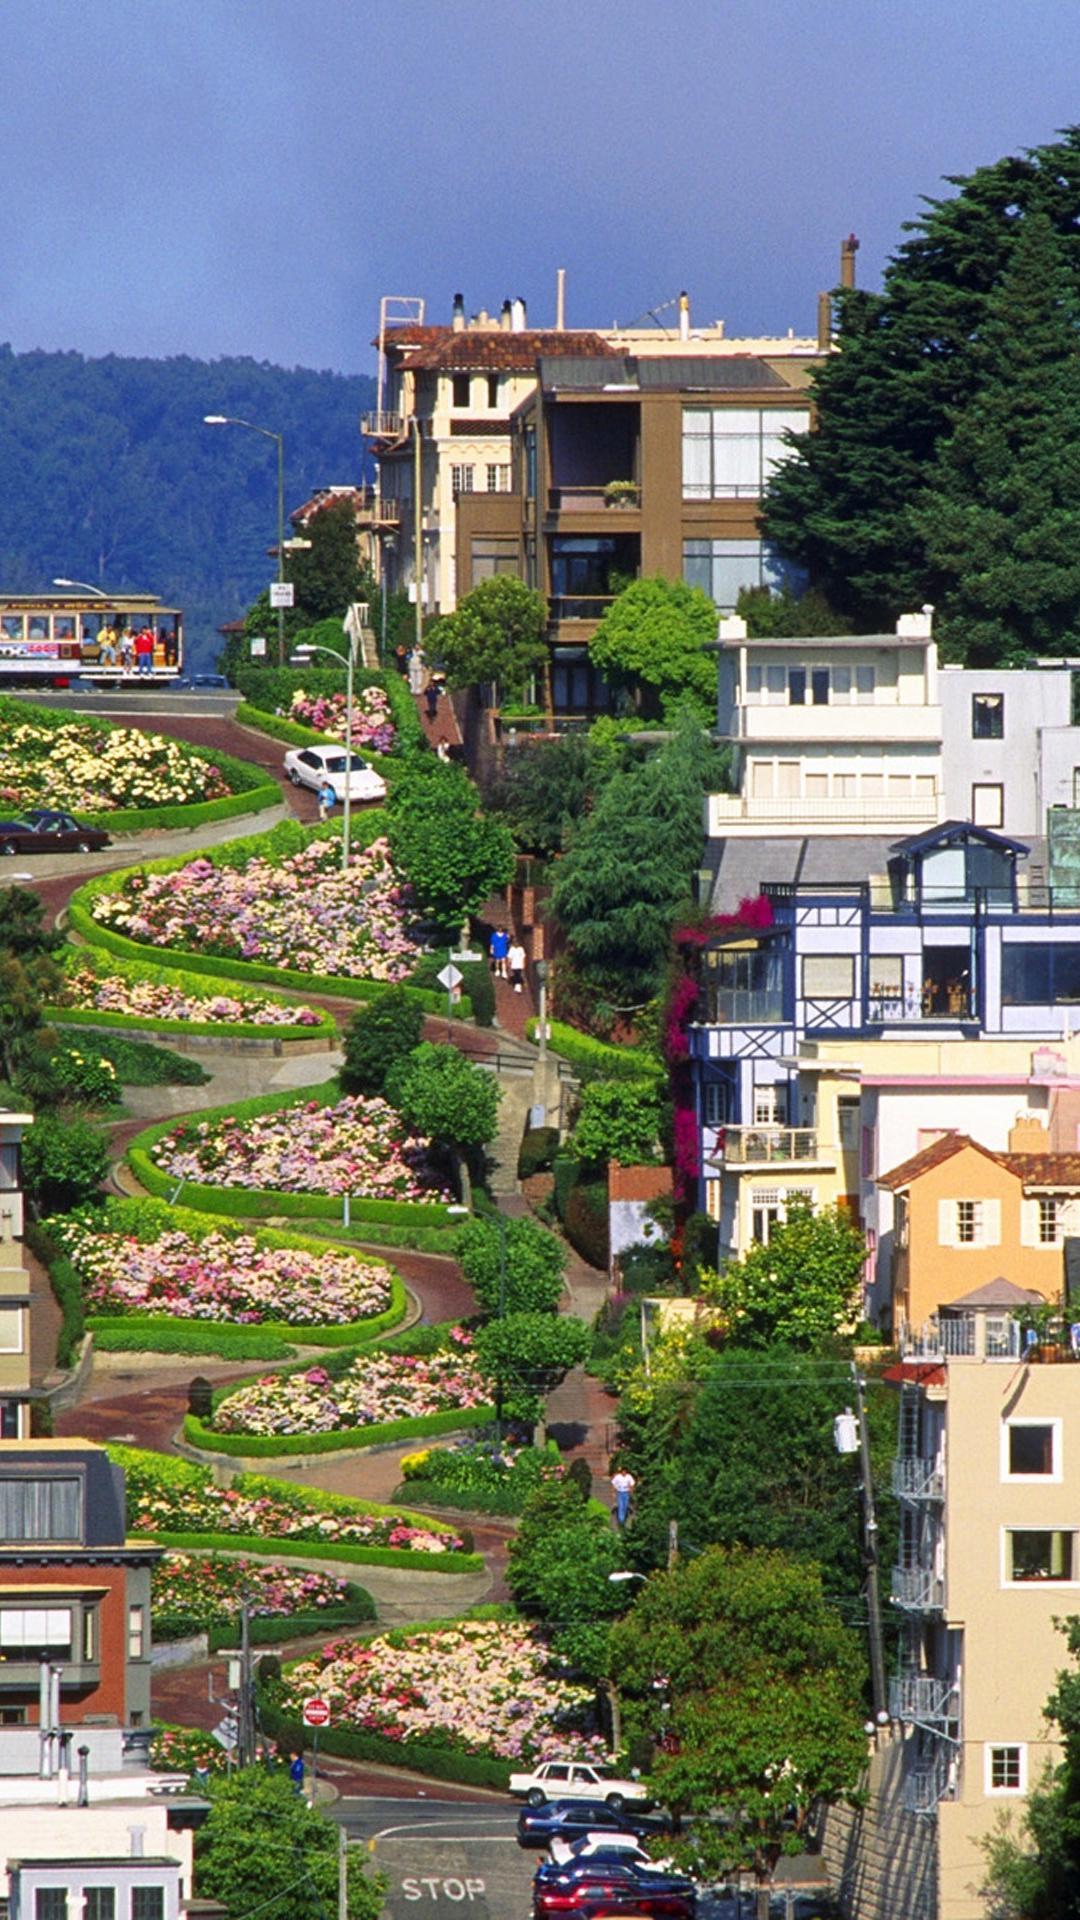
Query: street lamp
83, 585
228, 420
348, 660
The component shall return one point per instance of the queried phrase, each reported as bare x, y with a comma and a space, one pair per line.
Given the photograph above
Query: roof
950, 830
927, 1158
686, 372
743, 863
1054, 1170
1043, 1169
996, 1293
411, 334
496, 349
638, 1183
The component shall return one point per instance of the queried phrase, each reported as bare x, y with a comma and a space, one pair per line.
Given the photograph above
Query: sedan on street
572, 1819
50, 830
609, 1887
325, 766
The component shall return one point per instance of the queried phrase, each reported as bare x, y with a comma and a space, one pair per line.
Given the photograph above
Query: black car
569, 1819
50, 830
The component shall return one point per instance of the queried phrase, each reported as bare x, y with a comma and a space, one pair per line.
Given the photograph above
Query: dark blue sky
248, 176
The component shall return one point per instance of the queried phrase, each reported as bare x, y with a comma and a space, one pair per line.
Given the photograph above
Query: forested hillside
107, 473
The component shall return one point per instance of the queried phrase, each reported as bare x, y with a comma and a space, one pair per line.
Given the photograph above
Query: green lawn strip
597, 1057
287, 838
103, 1018
266, 1446
195, 985
345, 1551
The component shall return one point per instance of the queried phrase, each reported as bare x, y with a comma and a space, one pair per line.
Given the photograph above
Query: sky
248, 176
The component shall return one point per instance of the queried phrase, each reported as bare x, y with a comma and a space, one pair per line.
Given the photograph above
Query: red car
611, 1889
50, 830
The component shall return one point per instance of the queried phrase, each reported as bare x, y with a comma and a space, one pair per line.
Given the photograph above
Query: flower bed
480, 1687
373, 1388
372, 723
190, 1592
96, 767
171, 1001
357, 1146
179, 1503
223, 1277
476, 1474
299, 912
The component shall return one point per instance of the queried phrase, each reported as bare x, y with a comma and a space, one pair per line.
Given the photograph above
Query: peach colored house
966, 1216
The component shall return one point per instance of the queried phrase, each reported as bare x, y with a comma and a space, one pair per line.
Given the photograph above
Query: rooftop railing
753, 1146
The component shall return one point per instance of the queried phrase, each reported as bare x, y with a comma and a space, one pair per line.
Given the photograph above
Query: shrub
66, 1288
64, 1162
619, 1120
535, 1265
586, 1222
538, 1150
377, 1037
598, 1059
476, 984
136, 1063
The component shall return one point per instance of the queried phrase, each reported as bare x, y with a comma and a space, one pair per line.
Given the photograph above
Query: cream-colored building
15, 1393
988, 1477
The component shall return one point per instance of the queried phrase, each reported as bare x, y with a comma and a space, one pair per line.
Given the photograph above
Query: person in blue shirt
499, 948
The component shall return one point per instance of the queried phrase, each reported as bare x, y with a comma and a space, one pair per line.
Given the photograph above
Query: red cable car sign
316, 1712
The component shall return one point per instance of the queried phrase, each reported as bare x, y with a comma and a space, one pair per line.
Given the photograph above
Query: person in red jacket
144, 650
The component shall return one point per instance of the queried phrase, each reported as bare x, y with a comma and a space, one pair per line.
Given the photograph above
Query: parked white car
563, 1852
574, 1780
314, 766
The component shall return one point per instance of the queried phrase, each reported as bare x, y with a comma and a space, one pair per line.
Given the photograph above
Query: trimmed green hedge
66, 1289
153, 1333
273, 1631
265, 1446
352, 1743
194, 984
345, 1551
293, 734
596, 1057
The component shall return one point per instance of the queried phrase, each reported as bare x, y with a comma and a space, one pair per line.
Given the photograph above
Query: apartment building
988, 1476
16, 1393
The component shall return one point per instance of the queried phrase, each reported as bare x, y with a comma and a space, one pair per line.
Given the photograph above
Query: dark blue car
569, 1819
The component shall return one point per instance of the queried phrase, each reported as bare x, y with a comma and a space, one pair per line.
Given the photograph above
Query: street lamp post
348, 660
389, 544
228, 420
84, 585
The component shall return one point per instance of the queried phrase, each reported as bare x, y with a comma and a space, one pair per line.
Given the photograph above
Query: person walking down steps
516, 962
622, 1483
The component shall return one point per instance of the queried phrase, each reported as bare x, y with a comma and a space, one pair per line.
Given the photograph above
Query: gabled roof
951, 830
927, 1158
1043, 1169
995, 1293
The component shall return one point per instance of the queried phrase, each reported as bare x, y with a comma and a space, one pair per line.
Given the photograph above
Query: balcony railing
894, 1009
964, 1336
382, 426
576, 499
388, 512
726, 809
929, 1782
580, 606
918, 1589
914, 1478
923, 1700
752, 1146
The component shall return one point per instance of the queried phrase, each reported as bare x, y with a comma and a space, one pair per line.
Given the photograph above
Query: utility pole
672, 1544
245, 1724
342, 1873
870, 1529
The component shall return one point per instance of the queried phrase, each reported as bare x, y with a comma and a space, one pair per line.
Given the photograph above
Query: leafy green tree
560, 1561
441, 1094
619, 1120
329, 577
999, 517
22, 924
653, 638
453, 855
378, 1036
496, 632
1033, 1873
627, 873
263, 1846
800, 1288
64, 1163
527, 1354
535, 1265
848, 505
787, 615
547, 789
761, 1689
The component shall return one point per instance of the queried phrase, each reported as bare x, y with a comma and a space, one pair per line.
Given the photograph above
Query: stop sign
316, 1712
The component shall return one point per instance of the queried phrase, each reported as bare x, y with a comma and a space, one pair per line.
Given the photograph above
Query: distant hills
107, 473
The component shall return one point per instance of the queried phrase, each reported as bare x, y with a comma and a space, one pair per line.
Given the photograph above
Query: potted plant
621, 493
1046, 1325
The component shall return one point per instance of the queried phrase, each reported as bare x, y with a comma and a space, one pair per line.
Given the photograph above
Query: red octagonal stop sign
316, 1712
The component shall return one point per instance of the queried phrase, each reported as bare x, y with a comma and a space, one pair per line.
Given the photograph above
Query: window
740, 987
11, 1329
987, 716
492, 554
460, 390
530, 463
99, 1903
819, 686
9, 1419
1039, 1556
147, 1903
828, 976
493, 389
796, 686
768, 1208
1049, 1220
461, 479
988, 805
729, 452
847, 1119
769, 1104
969, 1223
1031, 1450
35, 1633
50, 1903
1006, 1769
1040, 976
721, 568
498, 478
89, 1635
136, 1632
865, 685
40, 1509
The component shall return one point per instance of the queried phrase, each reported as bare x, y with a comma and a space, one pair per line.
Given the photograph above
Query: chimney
560, 299
1028, 1135
483, 319
504, 317
824, 322
517, 311
848, 249
684, 315
457, 322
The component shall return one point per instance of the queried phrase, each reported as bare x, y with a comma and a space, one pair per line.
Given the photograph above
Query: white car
565, 1851
574, 1780
319, 766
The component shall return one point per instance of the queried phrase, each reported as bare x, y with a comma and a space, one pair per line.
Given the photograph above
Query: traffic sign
316, 1712
281, 593
450, 977
467, 959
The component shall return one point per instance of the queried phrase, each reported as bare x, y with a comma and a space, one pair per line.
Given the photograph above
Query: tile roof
1043, 1169
929, 1157
638, 1183
498, 350
411, 334
1031, 1169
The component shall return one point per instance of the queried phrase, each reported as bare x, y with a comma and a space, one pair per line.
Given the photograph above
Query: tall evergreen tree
845, 505
1000, 517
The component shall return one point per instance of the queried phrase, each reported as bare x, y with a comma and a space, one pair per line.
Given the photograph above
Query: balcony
918, 1589
933, 1004
914, 1478
579, 606
383, 426
923, 1700
965, 1336
727, 810
759, 1146
389, 513
574, 499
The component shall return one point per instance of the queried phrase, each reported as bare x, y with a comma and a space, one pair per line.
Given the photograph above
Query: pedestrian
431, 696
623, 1484
516, 962
144, 651
327, 800
499, 947
417, 671
401, 659
442, 751
127, 649
296, 1773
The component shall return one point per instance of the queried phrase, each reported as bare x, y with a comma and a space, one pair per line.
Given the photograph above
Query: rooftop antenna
652, 313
